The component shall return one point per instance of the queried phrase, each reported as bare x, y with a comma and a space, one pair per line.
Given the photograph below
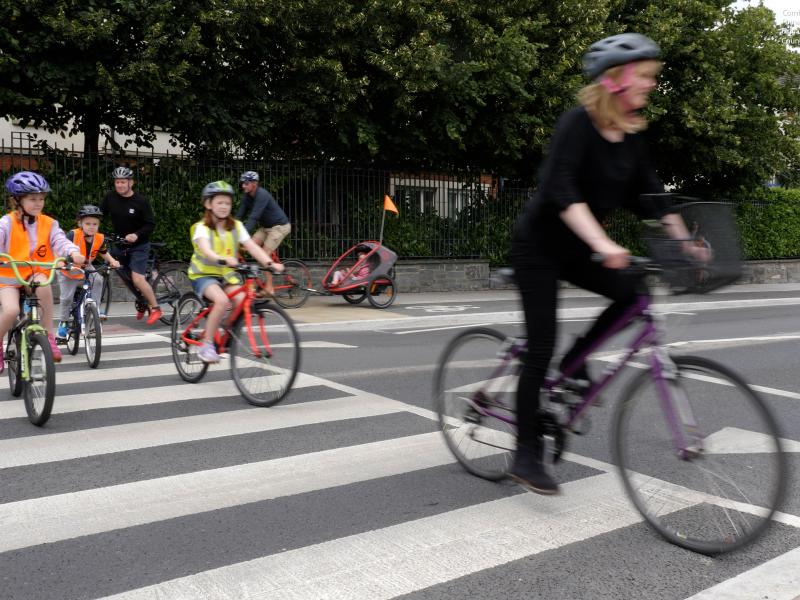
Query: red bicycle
259, 338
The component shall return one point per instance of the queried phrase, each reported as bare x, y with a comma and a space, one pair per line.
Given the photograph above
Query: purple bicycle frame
645, 337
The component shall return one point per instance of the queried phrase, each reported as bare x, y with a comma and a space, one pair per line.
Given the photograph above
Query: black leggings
538, 284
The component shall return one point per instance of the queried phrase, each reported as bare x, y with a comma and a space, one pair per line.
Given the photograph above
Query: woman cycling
217, 240
597, 161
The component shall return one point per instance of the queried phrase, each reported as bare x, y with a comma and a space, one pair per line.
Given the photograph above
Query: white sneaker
208, 353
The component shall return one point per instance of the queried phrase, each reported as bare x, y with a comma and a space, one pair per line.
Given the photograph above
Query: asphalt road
142, 486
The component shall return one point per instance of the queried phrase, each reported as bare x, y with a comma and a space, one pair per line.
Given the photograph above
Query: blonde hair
604, 108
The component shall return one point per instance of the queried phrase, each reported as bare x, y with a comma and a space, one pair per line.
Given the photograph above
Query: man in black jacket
132, 218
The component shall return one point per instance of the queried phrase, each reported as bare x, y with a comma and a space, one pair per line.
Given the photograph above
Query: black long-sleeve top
261, 211
583, 166
129, 215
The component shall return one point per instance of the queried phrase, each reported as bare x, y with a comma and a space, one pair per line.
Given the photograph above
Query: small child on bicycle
340, 274
27, 234
86, 237
217, 240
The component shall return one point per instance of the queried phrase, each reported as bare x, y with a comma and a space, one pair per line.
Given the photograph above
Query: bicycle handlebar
8, 260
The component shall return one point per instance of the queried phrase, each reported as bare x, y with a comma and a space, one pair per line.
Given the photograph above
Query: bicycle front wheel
14, 362
704, 466
292, 286
187, 326
474, 393
92, 335
170, 285
73, 338
39, 389
265, 356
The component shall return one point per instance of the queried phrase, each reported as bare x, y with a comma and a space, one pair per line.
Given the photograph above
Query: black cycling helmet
618, 50
218, 187
366, 249
89, 210
248, 176
122, 173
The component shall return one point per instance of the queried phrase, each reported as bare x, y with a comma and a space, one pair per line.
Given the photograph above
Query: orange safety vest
80, 241
19, 248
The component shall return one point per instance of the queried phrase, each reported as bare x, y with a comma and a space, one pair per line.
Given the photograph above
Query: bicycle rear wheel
40, 388
187, 325
170, 285
13, 363
721, 493
92, 334
266, 356
105, 296
474, 375
292, 286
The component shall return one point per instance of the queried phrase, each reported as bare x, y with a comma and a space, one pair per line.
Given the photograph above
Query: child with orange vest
91, 243
27, 234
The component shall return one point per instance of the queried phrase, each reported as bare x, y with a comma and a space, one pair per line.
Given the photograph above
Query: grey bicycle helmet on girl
122, 173
26, 182
248, 176
218, 187
618, 50
89, 210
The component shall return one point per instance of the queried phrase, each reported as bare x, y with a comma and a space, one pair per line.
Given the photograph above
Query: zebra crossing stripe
52, 518
414, 555
776, 579
39, 449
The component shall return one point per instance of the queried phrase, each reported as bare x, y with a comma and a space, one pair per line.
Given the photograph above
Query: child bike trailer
365, 271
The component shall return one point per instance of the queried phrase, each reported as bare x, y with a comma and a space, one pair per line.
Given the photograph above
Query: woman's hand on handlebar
614, 255
274, 267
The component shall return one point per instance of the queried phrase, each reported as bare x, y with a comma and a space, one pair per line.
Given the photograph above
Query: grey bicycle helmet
248, 176
218, 187
90, 210
618, 50
122, 173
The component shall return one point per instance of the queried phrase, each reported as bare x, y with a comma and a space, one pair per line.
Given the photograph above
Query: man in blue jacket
263, 218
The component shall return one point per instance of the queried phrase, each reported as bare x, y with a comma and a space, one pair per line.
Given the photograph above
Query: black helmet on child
218, 187
618, 50
365, 248
248, 176
122, 173
90, 210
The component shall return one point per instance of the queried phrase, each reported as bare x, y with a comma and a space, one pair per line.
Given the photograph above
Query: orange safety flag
389, 205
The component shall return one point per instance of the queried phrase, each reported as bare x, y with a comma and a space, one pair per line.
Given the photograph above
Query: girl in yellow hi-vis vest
216, 240
27, 234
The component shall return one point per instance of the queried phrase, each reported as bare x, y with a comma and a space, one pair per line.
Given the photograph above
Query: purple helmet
26, 182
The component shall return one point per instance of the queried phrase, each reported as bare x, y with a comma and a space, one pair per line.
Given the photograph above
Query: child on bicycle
27, 234
217, 240
92, 243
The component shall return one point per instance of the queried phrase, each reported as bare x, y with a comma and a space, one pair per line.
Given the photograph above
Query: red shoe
54, 347
139, 315
155, 315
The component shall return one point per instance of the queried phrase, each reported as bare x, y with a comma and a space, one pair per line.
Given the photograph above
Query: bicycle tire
473, 372
355, 297
92, 334
169, 287
382, 291
720, 496
264, 379
184, 355
13, 363
105, 296
292, 286
41, 370
73, 339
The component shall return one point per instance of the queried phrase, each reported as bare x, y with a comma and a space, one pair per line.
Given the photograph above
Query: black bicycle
84, 318
169, 280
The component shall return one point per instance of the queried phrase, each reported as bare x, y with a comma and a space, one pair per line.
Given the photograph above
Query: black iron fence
441, 215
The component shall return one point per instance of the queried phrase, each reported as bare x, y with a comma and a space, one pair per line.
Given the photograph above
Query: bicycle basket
712, 225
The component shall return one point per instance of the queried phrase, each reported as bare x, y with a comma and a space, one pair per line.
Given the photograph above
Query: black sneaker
529, 471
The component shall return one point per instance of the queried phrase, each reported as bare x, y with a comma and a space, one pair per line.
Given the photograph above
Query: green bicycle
31, 368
